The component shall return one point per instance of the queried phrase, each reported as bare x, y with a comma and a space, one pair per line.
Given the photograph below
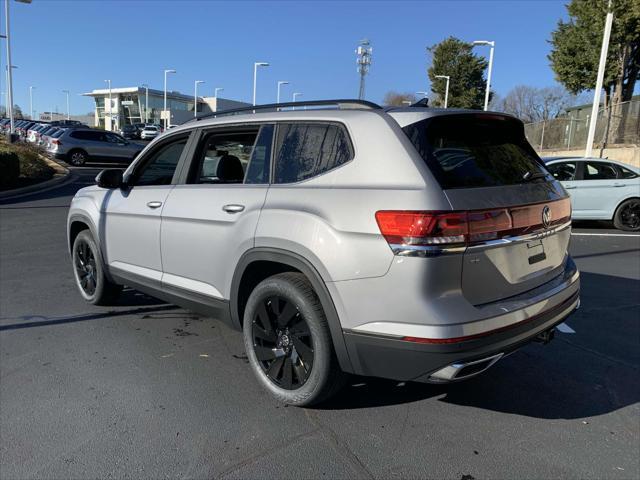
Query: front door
133, 214
210, 219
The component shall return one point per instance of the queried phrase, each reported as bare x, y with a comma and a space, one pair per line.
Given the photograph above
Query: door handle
154, 204
618, 184
233, 208
569, 187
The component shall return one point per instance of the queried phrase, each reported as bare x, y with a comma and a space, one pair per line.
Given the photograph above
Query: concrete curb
61, 177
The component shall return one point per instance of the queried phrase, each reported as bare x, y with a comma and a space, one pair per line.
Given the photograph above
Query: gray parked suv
80, 145
406, 243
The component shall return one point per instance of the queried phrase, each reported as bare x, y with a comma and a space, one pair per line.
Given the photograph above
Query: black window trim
144, 158
199, 135
308, 122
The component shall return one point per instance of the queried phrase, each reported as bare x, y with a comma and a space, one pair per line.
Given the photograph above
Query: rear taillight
55, 141
418, 228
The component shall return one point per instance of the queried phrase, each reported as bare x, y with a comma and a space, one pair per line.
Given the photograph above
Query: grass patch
21, 165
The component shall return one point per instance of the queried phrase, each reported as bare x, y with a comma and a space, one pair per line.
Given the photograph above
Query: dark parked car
130, 131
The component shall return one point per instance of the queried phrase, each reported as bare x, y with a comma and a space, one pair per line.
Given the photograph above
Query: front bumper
381, 356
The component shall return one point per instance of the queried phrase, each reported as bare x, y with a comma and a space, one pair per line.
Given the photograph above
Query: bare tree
531, 104
397, 99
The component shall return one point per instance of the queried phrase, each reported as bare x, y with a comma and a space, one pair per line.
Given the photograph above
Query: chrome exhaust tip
464, 370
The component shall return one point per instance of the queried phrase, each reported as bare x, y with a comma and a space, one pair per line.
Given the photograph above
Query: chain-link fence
616, 125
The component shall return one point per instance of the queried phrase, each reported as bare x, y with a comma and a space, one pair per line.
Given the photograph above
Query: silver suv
80, 145
408, 243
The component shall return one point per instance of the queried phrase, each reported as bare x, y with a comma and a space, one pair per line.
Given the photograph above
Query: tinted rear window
467, 151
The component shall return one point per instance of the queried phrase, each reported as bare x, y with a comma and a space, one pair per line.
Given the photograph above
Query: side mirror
110, 178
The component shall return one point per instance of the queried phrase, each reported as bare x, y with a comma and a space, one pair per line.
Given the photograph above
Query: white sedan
600, 189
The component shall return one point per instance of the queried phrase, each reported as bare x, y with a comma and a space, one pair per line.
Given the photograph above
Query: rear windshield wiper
529, 176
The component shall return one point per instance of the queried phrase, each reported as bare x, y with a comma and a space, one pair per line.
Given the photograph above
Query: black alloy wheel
282, 342
86, 268
629, 215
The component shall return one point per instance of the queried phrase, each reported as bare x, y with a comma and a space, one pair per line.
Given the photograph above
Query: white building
131, 105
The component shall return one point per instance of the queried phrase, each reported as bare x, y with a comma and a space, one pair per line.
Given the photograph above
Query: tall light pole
67, 92
280, 83
363, 52
599, 80
31, 101
195, 97
492, 45
105, 110
10, 67
446, 91
164, 108
146, 102
255, 76
215, 95
295, 95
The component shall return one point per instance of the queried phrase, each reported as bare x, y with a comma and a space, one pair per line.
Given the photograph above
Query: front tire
627, 216
288, 342
89, 272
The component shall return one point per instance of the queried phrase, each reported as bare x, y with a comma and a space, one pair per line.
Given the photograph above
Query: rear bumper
382, 356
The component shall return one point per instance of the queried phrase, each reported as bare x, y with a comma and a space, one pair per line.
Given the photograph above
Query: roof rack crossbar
342, 104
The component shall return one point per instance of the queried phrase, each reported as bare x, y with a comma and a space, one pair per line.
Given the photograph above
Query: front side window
563, 171
599, 171
159, 168
305, 150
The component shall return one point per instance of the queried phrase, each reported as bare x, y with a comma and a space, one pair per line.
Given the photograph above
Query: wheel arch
270, 261
620, 202
77, 223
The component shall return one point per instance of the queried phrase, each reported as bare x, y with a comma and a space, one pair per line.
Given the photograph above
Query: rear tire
288, 343
627, 216
89, 272
77, 158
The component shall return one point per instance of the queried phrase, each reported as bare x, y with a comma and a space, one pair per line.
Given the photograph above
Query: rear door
210, 218
518, 214
596, 192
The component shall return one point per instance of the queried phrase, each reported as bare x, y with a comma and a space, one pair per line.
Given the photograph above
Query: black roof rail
342, 104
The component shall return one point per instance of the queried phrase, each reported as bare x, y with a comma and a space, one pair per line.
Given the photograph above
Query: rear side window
87, 135
626, 173
599, 171
467, 151
305, 150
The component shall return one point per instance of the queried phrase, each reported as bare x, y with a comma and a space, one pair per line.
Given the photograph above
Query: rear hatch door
518, 215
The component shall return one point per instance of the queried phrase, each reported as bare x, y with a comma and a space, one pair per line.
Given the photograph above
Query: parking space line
564, 328
605, 234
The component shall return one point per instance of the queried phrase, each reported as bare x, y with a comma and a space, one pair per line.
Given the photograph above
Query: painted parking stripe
564, 328
605, 234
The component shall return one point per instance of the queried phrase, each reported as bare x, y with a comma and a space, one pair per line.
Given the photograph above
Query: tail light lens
413, 228
55, 141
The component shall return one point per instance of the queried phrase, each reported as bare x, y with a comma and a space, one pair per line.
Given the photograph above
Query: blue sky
75, 45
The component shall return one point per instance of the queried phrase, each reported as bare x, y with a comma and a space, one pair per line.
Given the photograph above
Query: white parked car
600, 189
149, 132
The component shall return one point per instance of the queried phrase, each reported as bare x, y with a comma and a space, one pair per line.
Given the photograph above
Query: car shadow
589, 373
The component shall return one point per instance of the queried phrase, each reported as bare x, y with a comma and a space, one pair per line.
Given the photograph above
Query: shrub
9, 168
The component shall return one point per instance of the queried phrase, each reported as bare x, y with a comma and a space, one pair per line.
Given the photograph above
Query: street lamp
280, 83
492, 45
295, 95
31, 101
105, 110
446, 91
215, 94
195, 97
255, 75
146, 102
67, 92
164, 110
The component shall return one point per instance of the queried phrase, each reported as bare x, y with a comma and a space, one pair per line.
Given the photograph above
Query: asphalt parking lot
146, 389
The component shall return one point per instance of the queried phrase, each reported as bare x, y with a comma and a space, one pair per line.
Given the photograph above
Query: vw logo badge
546, 216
